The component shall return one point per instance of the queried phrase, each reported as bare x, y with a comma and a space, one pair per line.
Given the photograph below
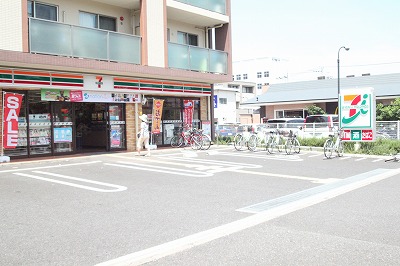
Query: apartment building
87, 69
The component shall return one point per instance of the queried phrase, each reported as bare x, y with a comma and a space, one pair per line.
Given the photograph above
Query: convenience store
64, 113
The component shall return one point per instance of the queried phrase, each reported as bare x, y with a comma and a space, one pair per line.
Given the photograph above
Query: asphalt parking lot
215, 207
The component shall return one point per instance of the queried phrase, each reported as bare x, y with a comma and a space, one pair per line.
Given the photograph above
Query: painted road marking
335, 188
267, 156
377, 160
212, 166
48, 167
360, 159
314, 155
117, 188
161, 169
185, 243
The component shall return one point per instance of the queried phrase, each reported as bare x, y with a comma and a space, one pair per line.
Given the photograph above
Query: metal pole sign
357, 114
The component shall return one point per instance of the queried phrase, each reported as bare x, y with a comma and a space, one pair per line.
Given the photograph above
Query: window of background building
247, 89
97, 21
187, 38
258, 74
42, 11
244, 76
223, 100
266, 74
259, 86
238, 77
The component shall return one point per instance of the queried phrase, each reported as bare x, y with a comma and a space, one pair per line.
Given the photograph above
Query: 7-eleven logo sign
99, 81
357, 109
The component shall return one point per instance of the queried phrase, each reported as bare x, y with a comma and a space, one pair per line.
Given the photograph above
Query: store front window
39, 124
117, 126
172, 118
62, 127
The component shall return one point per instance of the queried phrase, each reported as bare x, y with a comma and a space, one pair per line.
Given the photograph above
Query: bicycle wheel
340, 149
238, 142
252, 143
296, 145
279, 143
206, 142
177, 141
328, 148
289, 147
270, 144
195, 142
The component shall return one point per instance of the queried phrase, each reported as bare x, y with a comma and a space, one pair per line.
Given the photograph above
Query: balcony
48, 37
197, 59
218, 6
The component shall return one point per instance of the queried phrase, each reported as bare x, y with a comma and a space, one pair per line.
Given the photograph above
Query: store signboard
357, 114
88, 96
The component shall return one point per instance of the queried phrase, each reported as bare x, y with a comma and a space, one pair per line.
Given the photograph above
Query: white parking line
117, 187
185, 243
360, 159
377, 160
47, 167
161, 169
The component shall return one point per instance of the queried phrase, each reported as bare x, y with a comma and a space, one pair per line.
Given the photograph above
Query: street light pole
338, 74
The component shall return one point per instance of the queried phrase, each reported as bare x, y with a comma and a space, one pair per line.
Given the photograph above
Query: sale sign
11, 107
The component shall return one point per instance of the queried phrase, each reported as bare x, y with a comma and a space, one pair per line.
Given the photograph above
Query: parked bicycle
257, 140
292, 143
274, 141
332, 145
192, 137
241, 140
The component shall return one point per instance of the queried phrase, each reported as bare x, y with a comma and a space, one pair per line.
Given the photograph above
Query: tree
315, 110
389, 112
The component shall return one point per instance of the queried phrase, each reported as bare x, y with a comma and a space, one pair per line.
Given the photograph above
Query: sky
307, 34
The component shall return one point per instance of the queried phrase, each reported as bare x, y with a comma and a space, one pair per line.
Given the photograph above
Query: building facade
87, 69
228, 99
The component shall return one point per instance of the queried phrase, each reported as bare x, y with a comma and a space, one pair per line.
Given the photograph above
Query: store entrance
91, 127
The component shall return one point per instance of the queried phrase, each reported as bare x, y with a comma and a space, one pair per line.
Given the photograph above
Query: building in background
228, 107
292, 99
87, 69
261, 71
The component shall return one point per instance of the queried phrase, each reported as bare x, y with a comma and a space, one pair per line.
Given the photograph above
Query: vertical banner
11, 106
156, 117
188, 112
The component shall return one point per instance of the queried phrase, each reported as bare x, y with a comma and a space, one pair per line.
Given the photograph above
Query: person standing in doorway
144, 135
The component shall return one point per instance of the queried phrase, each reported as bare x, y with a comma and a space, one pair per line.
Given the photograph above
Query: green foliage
224, 139
389, 112
315, 110
312, 142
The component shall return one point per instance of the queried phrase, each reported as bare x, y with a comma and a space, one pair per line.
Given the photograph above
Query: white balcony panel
194, 15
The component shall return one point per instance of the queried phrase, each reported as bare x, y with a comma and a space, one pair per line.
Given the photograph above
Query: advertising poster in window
11, 106
188, 112
115, 136
156, 117
62, 134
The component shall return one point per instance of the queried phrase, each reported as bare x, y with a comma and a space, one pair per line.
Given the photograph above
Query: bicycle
331, 146
274, 140
292, 143
257, 140
241, 140
191, 137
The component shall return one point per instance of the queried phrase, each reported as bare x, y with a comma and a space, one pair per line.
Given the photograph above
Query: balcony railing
197, 59
48, 37
218, 6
